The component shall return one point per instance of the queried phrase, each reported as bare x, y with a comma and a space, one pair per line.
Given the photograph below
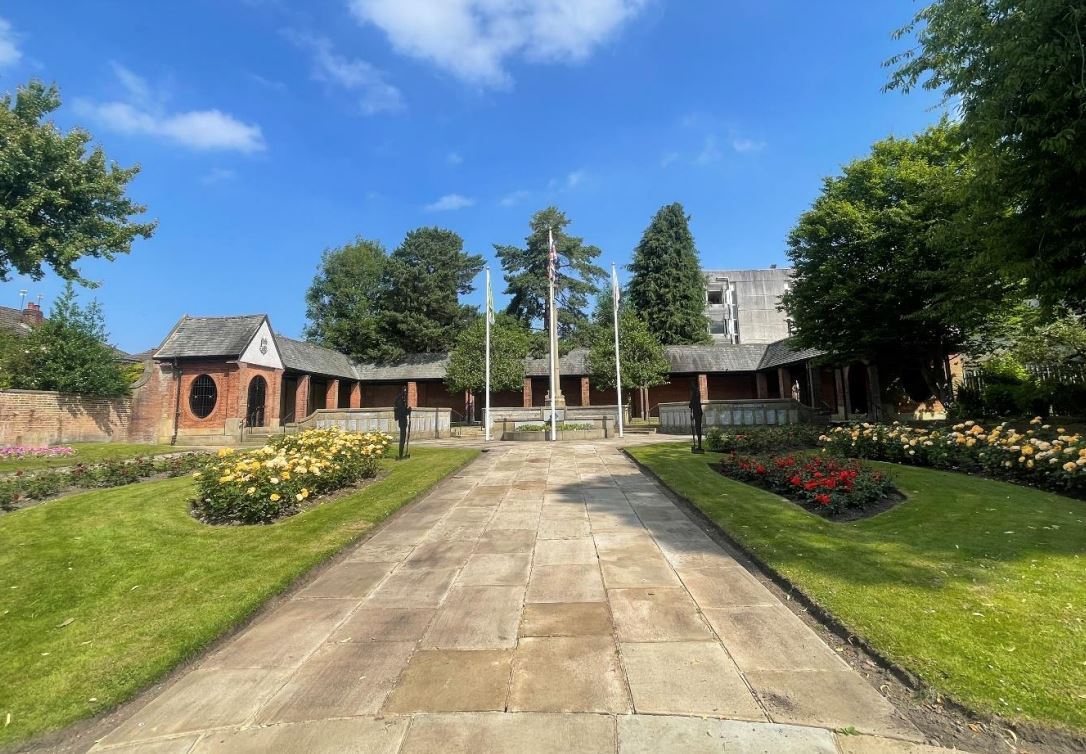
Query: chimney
32, 314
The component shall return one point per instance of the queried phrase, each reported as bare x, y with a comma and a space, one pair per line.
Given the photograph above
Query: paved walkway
546, 599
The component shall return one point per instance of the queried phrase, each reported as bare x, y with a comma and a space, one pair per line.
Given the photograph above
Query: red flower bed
831, 485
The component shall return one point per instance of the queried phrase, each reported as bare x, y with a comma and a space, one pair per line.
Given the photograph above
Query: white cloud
142, 113
475, 39
276, 86
454, 158
576, 178
667, 158
450, 202
747, 145
513, 198
376, 95
10, 54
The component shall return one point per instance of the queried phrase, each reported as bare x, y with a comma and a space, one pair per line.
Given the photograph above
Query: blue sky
268, 131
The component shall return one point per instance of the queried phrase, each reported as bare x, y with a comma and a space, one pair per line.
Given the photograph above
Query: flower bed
260, 486
561, 426
19, 451
827, 485
762, 439
20, 486
1042, 456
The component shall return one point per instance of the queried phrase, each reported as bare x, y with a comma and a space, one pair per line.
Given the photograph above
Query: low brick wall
675, 417
42, 417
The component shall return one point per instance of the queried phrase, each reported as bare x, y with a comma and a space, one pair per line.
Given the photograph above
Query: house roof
12, 319
574, 362
197, 337
784, 352
309, 357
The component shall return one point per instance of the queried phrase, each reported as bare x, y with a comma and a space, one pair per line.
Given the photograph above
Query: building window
202, 396
716, 298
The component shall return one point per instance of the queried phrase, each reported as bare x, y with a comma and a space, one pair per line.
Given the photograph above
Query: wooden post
874, 394
761, 385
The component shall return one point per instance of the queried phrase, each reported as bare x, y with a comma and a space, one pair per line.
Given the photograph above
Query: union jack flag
552, 256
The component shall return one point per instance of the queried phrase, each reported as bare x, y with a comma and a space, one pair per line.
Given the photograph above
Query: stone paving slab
453, 681
546, 598
356, 734
501, 734
645, 734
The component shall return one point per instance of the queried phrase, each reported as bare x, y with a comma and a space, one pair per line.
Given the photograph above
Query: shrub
1042, 456
561, 426
762, 439
829, 484
260, 486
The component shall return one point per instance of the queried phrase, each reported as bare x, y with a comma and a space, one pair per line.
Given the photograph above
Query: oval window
202, 396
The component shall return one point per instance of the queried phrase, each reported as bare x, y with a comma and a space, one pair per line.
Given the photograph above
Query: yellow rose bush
260, 486
1041, 456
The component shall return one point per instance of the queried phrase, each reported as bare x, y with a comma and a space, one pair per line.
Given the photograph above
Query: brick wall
39, 417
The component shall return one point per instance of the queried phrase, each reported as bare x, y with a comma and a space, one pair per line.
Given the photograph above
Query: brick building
216, 377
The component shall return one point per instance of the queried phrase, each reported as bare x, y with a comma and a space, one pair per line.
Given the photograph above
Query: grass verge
974, 585
86, 452
104, 592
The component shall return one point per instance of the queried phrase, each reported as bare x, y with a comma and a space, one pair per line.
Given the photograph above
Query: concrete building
741, 305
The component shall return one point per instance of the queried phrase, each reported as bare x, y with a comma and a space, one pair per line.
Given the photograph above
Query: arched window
202, 396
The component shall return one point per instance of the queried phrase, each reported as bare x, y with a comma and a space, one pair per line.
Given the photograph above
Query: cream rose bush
260, 486
1041, 456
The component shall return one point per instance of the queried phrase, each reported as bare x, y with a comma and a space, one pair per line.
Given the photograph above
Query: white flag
489, 302
616, 289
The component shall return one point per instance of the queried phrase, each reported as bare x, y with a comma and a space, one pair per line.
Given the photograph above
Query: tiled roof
418, 366
574, 362
720, 357
309, 357
196, 337
782, 352
12, 319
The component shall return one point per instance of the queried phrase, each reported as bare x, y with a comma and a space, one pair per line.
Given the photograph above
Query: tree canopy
642, 356
668, 288
58, 203
68, 353
883, 269
342, 302
420, 292
1015, 70
508, 349
526, 274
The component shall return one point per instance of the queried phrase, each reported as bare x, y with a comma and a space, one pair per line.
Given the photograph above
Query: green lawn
86, 452
977, 586
146, 586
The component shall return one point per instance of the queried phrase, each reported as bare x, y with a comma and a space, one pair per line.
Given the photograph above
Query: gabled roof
200, 337
784, 352
309, 357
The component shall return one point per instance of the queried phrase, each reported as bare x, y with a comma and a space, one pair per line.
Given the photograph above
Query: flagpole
486, 405
618, 368
552, 326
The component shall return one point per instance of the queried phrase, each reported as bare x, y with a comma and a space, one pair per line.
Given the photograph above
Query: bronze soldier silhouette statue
695, 417
402, 412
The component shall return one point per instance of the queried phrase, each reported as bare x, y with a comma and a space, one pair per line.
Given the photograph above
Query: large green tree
59, 203
668, 288
526, 274
882, 270
508, 349
1015, 70
640, 354
420, 292
68, 352
341, 303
